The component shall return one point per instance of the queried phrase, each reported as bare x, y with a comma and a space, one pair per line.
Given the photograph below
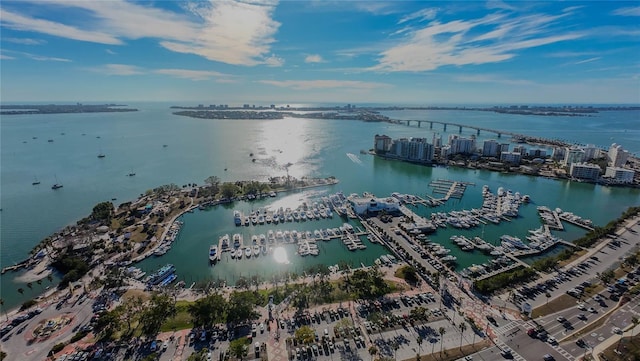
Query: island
13, 109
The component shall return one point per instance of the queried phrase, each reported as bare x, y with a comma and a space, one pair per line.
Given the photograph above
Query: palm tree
373, 350
463, 327
419, 341
441, 331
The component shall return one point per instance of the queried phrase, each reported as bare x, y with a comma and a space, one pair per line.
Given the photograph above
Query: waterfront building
520, 149
511, 157
382, 143
490, 148
619, 175
504, 147
364, 205
573, 155
461, 145
437, 140
420, 150
538, 153
445, 151
617, 155
400, 148
558, 153
590, 152
585, 171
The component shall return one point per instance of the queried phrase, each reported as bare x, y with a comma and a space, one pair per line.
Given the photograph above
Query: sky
336, 52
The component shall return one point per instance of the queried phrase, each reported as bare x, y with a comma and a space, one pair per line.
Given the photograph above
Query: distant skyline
338, 52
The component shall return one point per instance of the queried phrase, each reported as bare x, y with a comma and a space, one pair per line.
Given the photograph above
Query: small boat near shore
213, 253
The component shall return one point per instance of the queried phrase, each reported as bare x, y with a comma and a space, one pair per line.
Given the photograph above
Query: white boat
256, 250
263, 249
247, 252
213, 253
239, 253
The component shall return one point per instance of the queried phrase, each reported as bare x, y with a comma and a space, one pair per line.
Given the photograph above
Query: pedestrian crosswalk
564, 353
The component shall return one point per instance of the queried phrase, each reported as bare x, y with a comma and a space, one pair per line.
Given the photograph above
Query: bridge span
460, 126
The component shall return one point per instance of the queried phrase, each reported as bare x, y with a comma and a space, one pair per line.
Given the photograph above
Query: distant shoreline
62, 109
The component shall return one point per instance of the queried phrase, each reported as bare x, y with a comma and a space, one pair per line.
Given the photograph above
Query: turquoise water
198, 148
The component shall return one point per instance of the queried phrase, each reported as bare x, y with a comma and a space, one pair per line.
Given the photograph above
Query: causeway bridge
460, 126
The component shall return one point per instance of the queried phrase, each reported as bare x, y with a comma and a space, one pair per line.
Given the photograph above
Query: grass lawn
573, 257
182, 320
628, 349
559, 303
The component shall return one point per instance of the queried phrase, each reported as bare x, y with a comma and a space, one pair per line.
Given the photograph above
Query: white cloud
16, 21
110, 52
495, 38
118, 69
424, 14
587, 60
6, 57
324, 84
489, 78
571, 54
628, 11
313, 58
25, 41
196, 75
38, 57
273, 61
498, 4
227, 31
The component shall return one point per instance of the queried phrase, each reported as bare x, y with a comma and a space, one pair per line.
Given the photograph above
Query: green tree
2, 306
241, 308
107, 324
238, 348
229, 190
207, 311
130, 310
373, 350
305, 335
462, 327
160, 307
103, 212
441, 331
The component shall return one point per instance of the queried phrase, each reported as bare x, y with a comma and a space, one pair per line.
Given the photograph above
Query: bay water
162, 148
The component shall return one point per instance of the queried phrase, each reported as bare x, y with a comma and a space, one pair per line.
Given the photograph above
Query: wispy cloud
627, 11
233, 32
37, 57
490, 39
110, 52
197, 75
571, 54
587, 60
118, 69
25, 41
313, 58
490, 78
498, 4
424, 14
324, 84
6, 57
16, 21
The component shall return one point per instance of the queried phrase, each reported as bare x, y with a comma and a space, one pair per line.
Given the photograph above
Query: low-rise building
364, 205
619, 175
511, 157
585, 171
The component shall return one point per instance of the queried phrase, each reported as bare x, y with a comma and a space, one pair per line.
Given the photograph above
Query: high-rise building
584, 171
520, 149
381, 143
558, 153
461, 145
490, 148
590, 152
538, 153
620, 175
573, 155
617, 155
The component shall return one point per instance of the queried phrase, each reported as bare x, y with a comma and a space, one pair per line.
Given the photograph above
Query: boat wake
354, 158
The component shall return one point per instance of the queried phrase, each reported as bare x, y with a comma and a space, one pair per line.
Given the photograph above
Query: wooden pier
579, 224
450, 189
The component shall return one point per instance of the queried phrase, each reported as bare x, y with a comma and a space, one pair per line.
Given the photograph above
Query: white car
616, 330
581, 306
552, 340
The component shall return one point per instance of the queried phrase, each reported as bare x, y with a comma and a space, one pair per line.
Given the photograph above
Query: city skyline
321, 52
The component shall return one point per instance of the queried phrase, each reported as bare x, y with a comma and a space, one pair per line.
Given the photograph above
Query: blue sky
263, 51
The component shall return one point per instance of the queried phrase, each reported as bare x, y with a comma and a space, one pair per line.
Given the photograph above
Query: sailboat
56, 185
35, 181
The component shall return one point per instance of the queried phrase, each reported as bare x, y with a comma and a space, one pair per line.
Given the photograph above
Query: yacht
247, 252
256, 250
239, 252
236, 240
237, 218
263, 249
213, 253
